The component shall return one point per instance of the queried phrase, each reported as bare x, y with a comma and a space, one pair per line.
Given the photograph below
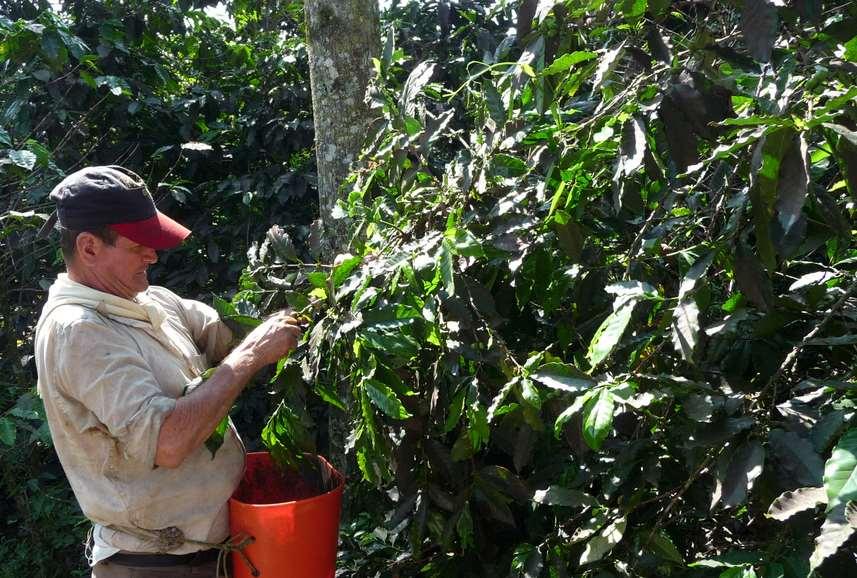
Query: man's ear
87, 248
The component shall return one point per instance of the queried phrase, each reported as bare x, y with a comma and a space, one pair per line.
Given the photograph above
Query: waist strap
164, 560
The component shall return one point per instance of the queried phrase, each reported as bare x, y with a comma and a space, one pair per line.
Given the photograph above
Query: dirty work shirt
110, 371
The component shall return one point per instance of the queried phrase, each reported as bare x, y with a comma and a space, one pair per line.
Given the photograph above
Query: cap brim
158, 232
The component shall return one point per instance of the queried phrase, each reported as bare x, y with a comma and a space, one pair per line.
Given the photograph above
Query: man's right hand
273, 338
196, 415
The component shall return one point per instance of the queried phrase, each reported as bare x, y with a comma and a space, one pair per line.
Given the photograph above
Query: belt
164, 560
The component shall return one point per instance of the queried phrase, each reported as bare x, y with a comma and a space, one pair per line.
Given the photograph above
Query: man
115, 358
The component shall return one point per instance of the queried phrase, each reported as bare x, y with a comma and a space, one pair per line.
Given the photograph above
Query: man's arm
196, 415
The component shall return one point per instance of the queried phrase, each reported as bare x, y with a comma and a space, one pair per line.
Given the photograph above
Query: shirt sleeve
212, 336
105, 372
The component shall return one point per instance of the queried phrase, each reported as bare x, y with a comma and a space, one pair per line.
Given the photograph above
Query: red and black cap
114, 197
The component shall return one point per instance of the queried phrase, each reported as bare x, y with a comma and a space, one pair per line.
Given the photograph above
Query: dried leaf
417, 79
559, 496
759, 25
632, 148
685, 328
681, 140
792, 186
752, 280
657, 46
606, 65
736, 473
797, 457
790, 503
835, 531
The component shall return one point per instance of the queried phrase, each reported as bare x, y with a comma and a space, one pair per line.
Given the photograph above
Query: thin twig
791, 358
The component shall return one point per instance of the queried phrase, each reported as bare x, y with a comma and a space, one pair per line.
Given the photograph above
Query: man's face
121, 268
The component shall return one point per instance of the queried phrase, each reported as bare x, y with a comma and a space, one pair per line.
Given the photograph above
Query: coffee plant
596, 317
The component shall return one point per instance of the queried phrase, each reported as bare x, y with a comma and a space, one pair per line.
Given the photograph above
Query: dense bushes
597, 311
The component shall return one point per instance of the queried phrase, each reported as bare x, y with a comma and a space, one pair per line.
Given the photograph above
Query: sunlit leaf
385, 399
598, 418
840, 471
603, 542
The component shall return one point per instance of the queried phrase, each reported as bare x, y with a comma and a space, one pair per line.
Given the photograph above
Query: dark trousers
106, 569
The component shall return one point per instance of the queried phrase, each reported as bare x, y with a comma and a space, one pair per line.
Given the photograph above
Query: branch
791, 358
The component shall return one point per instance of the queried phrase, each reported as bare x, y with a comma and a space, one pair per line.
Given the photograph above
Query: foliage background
597, 312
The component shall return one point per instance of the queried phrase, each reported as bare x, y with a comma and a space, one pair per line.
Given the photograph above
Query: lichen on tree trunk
343, 37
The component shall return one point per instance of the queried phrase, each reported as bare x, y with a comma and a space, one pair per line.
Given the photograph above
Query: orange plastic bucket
295, 529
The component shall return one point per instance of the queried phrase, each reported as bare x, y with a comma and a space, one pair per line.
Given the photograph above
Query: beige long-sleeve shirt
110, 371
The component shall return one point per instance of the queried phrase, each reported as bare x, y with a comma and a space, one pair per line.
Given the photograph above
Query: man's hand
197, 415
272, 339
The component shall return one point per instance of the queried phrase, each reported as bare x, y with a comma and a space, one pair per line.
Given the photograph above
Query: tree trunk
526, 12
343, 37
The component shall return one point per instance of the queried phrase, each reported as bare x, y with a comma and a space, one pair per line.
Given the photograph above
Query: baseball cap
117, 198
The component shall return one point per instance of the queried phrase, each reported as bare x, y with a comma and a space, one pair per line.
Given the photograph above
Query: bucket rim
339, 488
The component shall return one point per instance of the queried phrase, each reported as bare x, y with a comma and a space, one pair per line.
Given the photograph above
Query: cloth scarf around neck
64, 291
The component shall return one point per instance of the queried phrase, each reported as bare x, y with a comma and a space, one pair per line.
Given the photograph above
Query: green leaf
116, 84
505, 165
603, 542
850, 52
5, 139
609, 61
625, 290
767, 164
598, 418
389, 338
456, 408
215, 440
477, 417
563, 376
840, 471
464, 243
494, 103
22, 158
446, 266
7, 431
633, 9
385, 399
558, 496
568, 60
662, 545
329, 395
344, 269
609, 333
530, 393
571, 410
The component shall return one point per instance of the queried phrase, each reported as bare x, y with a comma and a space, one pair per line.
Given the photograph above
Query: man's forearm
196, 415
